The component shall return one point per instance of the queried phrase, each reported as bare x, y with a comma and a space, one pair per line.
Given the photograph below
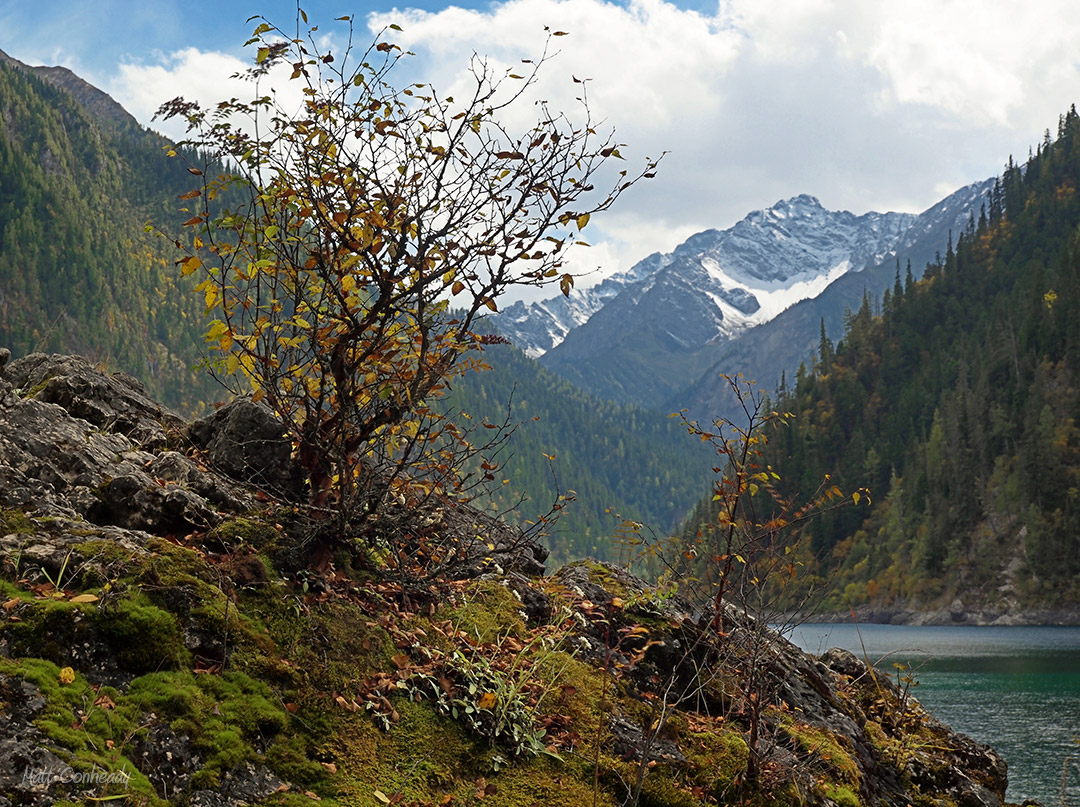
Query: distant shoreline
955, 615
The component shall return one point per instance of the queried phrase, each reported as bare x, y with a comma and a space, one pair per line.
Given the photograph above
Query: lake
1016, 689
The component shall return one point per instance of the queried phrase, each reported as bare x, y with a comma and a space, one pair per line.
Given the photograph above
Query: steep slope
100, 106
665, 329
958, 407
77, 183
766, 352
621, 462
166, 642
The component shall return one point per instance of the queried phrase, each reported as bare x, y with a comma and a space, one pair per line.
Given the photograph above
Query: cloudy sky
867, 105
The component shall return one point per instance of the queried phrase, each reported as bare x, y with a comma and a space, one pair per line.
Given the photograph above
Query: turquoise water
1015, 689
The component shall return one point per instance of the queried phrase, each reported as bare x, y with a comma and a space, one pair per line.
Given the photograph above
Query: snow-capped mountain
742, 276
764, 353
650, 337
538, 326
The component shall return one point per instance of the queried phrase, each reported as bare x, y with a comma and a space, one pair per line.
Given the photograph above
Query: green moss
79, 722
102, 550
139, 635
824, 746
237, 531
34, 390
421, 752
143, 637
490, 611
717, 759
52, 630
11, 591
843, 795
15, 521
659, 789
548, 782
227, 717
174, 565
290, 758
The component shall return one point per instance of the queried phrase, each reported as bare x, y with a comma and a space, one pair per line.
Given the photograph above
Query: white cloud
865, 105
195, 75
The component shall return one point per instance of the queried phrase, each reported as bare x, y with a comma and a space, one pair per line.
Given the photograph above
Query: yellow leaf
189, 265
855, 498
487, 700
381, 796
210, 293
67, 675
232, 363
582, 220
216, 331
491, 304
85, 598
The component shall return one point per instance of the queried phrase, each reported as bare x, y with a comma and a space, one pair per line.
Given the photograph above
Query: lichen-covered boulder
244, 440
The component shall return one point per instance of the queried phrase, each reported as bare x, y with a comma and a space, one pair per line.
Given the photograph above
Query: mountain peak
98, 104
739, 277
802, 200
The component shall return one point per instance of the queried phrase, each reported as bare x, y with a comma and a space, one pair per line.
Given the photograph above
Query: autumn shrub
348, 249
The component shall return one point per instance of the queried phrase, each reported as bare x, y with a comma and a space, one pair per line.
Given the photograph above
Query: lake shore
956, 614
1014, 688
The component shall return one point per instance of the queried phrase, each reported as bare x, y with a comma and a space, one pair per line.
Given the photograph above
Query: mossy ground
15, 521
301, 678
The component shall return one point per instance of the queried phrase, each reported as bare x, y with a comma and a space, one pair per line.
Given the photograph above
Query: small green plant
494, 688
496, 700
57, 583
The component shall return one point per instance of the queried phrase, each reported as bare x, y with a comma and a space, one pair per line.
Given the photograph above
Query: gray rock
632, 743
245, 784
245, 441
31, 772
115, 403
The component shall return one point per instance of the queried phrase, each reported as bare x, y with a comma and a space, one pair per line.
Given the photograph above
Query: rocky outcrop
885, 747
164, 640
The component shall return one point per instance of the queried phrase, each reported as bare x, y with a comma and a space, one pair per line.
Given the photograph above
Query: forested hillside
957, 406
621, 462
79, 179
77, 271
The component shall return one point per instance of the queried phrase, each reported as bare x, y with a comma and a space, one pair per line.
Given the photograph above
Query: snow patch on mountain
773, 298
742, 276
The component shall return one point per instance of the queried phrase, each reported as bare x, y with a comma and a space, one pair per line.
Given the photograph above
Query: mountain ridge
656, 334
767, 351
741, 269
97, 103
